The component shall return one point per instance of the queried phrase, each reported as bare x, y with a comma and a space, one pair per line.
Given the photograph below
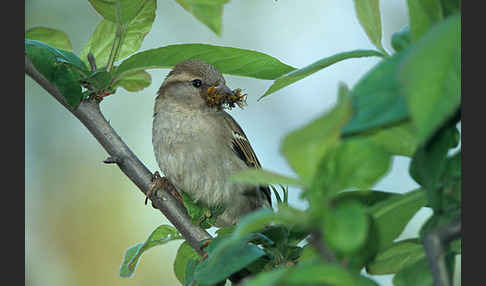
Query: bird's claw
160, 182
157, 182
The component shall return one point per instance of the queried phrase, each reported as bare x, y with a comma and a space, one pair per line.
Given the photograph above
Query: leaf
62, 68
423, 14
401, 39
346, 227
368, 12
369, 250
55, 38
135, 81
398, 256
159, 236
270, 278
189, 275
304, 148
99, 79
220, 262
431, 77
429, 162
367, 198
377, 99
200, 214
209, 12
319, 274
354, 163
417, 274
392, 215
450, 7
258, 219
185, 252
366, 281
132, 34
128, 8
264, 177
226, 59
299, 74
452, 180
396, 140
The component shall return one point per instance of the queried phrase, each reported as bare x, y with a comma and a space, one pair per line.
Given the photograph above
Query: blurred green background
81, 215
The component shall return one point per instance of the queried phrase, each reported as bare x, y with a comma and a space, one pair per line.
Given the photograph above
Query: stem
115, 49
435, 243
89, 113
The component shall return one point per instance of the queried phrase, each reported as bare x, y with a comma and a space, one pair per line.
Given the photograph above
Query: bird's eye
197, 83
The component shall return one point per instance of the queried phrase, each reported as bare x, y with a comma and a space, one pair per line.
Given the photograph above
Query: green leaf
62, 68
200, 214
429, 162
304, 148
392, 215
423, 14
270, 278
299, 74
377, 99
366, 281
99, 80
366, 197
319, 274
431, 77
184, 254
221, 261
396, 140
367, 253
55, 38
354, 163
135, 81
417, 274
159, 236
401, 39
209, 12
450, 7
189, 275
128, 8
227, 60
132, 34
452, 180
346, 227
368, 12
398, 256
264, 177
258, 219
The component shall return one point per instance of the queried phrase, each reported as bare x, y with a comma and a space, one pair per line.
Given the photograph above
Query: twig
92, 62
319, 244
112, 160
434, 243
89, 113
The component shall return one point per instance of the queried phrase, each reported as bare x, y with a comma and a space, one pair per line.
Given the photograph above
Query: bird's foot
163, 182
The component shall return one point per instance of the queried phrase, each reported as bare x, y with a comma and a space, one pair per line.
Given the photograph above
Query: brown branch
89, 113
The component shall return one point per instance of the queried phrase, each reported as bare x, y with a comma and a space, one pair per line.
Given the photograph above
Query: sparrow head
191, 81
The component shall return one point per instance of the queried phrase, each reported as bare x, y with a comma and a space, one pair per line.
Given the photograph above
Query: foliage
408, 105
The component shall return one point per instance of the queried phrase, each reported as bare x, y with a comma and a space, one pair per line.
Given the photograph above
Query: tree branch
89, 113
434, 243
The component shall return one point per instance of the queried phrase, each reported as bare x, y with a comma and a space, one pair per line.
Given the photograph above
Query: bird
198, 146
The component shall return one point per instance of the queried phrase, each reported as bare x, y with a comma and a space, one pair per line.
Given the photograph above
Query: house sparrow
198, 145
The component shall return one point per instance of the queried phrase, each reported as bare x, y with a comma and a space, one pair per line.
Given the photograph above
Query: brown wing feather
241, 146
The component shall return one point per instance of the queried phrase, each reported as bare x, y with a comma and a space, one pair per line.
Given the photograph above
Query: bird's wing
241, 146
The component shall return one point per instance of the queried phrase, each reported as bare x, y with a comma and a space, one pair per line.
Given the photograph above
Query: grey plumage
198, 147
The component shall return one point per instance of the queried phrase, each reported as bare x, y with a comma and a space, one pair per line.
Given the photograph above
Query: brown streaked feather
241, 146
